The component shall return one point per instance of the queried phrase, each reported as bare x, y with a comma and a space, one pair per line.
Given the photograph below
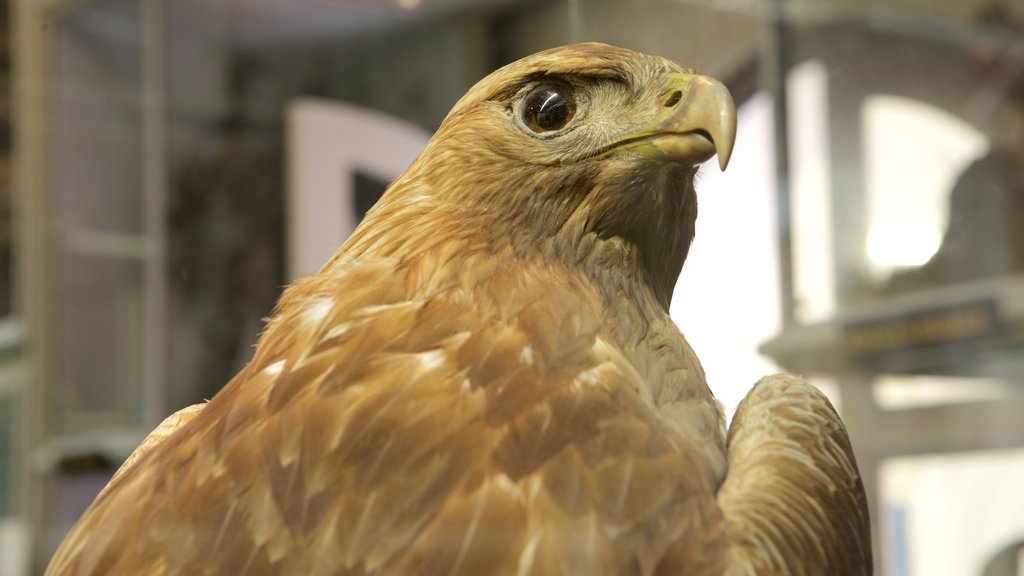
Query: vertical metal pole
775, 58
32, 257
575, 24
154, 190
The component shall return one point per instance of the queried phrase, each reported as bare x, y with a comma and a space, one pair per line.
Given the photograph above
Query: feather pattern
357, 456
793, 499
484, 380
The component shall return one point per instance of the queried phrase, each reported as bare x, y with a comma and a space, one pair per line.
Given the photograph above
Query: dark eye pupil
549, 108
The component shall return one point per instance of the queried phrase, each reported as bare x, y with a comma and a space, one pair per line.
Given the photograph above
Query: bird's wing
461, 434
793, 500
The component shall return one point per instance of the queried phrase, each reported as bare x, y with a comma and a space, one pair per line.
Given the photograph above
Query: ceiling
258, 23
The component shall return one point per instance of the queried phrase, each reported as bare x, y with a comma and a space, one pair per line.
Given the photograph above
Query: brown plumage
485, 379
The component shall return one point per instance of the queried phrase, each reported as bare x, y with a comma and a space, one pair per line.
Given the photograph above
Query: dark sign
923, 328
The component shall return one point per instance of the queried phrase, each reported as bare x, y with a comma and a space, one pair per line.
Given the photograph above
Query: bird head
585, 153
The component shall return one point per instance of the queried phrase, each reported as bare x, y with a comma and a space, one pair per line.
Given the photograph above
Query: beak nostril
673, 99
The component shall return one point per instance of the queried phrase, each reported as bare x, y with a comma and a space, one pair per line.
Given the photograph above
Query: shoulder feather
793, 499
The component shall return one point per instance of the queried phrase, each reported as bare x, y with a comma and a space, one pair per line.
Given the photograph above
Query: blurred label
960, 323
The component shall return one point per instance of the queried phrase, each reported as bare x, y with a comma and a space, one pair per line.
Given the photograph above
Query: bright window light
727, 298
909, 244
913, 155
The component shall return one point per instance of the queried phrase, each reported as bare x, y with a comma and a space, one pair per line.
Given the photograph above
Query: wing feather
793, 500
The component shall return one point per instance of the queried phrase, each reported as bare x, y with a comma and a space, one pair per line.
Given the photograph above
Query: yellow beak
697, 120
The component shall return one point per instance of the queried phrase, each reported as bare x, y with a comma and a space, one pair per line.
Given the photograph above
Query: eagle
484, 378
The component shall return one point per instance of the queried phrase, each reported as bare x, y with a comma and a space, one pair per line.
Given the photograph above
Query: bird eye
549, 107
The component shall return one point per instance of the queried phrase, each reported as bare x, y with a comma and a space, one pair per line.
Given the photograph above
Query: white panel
14, 547
958, 511
327, 143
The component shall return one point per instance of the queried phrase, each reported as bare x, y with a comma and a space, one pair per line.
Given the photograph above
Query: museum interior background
166, 166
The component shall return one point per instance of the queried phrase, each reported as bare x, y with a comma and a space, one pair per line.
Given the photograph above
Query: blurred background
166, 166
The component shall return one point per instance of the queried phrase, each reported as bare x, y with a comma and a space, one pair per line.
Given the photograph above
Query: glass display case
101, 243
911, 205
178, 162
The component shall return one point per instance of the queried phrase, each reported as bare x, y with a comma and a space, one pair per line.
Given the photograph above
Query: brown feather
793, 501
484, 380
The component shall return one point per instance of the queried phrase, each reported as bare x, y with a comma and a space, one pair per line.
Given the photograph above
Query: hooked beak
697, 121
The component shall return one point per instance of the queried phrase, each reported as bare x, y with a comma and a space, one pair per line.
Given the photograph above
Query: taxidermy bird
485, 379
